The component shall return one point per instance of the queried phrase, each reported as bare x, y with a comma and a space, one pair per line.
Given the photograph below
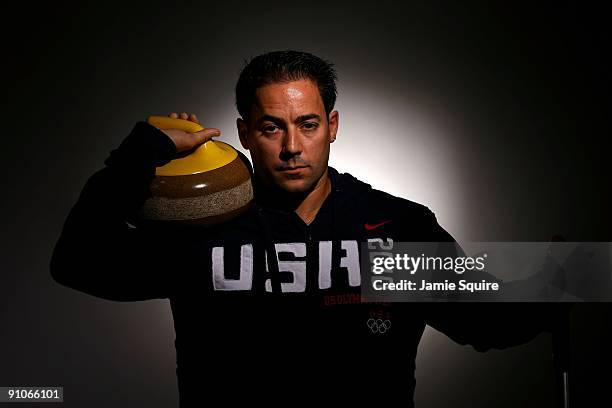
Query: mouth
292, 170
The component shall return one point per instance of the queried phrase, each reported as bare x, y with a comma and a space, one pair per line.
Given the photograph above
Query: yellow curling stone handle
208, 156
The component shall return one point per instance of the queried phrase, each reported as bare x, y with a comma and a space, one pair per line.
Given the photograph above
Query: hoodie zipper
271, 254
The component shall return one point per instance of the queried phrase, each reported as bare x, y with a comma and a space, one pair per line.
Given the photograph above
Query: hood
345, 186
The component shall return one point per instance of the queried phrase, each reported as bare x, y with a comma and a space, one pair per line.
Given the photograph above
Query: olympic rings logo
379, 326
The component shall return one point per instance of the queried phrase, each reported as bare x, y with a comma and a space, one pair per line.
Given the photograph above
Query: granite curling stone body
209, 186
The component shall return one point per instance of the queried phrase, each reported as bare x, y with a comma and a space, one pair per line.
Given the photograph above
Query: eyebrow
278, 120
309, 116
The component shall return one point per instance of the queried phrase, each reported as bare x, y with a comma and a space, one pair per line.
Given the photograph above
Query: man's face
288, 135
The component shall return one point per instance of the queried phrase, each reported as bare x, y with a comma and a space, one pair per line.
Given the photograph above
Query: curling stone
207, 186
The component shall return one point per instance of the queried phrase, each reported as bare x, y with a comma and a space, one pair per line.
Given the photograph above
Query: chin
295, 186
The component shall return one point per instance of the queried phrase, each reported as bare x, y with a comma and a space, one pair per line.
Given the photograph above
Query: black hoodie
236, 337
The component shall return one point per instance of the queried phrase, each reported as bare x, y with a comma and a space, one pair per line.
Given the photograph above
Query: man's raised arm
99, 252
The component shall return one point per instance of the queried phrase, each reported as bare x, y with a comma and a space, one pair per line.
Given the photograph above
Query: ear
243, 132
333, 125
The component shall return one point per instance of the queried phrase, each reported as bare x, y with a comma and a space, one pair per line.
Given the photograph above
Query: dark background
512, 106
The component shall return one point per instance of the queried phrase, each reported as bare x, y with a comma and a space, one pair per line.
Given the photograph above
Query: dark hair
285, 66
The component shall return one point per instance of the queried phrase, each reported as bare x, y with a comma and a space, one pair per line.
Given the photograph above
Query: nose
292, 144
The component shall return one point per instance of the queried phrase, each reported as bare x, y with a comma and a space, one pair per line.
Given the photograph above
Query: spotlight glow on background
392, 145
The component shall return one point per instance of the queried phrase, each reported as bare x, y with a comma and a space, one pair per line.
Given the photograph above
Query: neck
305, 204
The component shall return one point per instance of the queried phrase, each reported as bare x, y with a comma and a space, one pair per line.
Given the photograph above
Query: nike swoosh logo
370, 227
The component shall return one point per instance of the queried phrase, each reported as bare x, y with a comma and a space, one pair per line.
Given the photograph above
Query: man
266, 306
